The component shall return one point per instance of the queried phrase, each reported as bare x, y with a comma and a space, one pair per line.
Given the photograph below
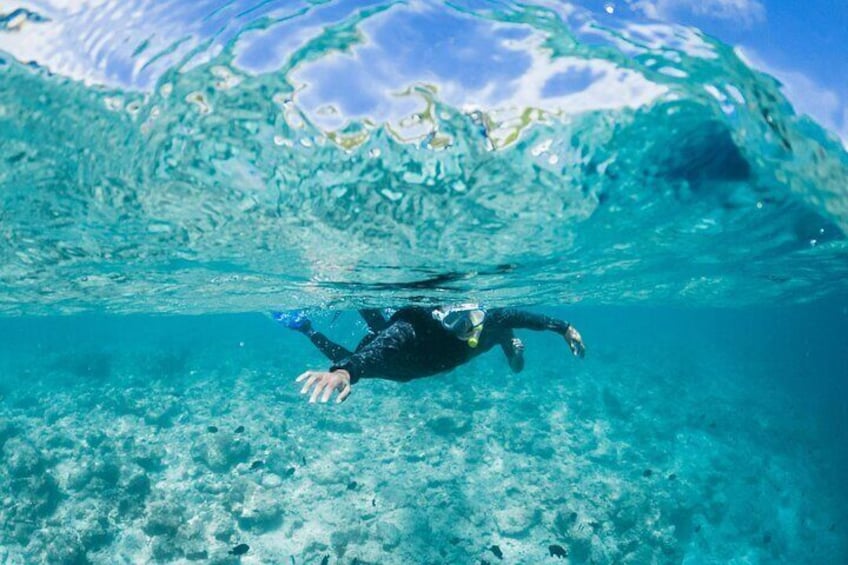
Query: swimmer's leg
299, 322
333, 351
374, 318
377, 323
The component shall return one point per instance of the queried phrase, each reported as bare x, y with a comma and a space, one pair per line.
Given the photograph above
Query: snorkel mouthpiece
476, 317
474, 340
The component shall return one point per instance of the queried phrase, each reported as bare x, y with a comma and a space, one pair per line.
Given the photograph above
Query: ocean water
170, 172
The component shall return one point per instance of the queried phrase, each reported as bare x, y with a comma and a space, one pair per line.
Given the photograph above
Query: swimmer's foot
294, 320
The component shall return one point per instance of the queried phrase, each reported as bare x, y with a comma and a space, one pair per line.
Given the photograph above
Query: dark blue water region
685, 435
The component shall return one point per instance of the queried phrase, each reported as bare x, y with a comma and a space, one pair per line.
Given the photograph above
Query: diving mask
465, 322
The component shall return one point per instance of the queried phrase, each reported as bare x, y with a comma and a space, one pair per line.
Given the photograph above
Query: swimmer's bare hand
321, 381
575, 342
517, 345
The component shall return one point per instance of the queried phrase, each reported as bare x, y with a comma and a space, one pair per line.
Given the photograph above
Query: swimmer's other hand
575, 342
325, 382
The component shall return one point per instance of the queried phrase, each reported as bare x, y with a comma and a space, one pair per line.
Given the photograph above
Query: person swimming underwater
417, 342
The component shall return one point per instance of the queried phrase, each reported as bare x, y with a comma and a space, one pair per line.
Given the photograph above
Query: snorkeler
418, 342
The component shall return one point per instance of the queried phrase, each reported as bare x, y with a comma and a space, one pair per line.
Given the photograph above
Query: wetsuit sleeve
373, 357
517, 319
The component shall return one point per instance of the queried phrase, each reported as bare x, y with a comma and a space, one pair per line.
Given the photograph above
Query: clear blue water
170, 172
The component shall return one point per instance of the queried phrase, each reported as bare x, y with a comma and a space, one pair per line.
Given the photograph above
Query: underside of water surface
348, 154
171, 171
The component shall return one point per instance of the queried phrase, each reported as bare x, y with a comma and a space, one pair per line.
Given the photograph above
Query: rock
496, 551
96, 534
222, 529
133, 494
221, 452
389, 535
7, 430
78, 477
563, 521
162, 520
340, 539
95, 438
270, 480
22, 459
149, 458
44, 495
279, 460
165, 550
138, 485
516, 521
261, 511
162, 414
446, 426
580, 550
64, 547
107, 471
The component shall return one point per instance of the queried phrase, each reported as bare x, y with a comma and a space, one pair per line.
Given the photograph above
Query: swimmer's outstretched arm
518, 319
367, 361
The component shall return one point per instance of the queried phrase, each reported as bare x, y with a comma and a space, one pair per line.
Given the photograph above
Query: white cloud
744, 12
381, 78
808, 97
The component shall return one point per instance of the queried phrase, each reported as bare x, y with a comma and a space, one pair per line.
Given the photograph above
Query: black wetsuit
411, 344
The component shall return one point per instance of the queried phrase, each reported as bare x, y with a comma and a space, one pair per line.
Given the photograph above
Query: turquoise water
171, 172
685, 436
